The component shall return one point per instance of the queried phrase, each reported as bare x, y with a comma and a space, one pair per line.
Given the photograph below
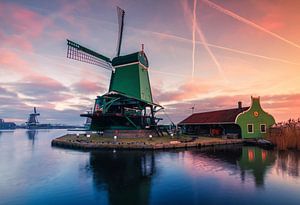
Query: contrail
205, 44
196, 26
248, 22
194, 38
178, 38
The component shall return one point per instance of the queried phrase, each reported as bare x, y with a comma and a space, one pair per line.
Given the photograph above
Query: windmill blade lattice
80, 53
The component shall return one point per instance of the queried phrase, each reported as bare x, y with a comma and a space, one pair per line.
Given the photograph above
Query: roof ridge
221, 110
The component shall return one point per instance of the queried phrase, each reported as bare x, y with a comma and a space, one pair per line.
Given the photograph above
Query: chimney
239, 104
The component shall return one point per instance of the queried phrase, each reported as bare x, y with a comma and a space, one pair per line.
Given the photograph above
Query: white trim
242, 113
265, 128
252, 129
133, 63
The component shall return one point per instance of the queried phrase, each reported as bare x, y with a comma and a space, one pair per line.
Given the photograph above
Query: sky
207, 54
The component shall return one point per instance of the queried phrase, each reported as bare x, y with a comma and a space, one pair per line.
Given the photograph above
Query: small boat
263, 143
266, 144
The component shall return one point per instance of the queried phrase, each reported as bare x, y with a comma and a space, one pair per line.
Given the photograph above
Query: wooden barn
242, 122
214, 123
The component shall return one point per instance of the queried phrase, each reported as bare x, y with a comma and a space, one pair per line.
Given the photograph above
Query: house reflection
31, 134
126, 175
256, 161
241, 160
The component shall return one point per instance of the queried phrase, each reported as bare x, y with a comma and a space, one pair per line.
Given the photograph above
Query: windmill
32, 119
128, 104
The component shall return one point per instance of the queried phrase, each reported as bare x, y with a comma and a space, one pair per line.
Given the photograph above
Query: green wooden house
254, 122
243, 122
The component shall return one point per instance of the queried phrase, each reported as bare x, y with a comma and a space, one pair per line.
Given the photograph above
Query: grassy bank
99, 142
285, 135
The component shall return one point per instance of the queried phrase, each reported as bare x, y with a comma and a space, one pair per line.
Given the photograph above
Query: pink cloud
43, 81
190, 89
14, 63
22, 20
85, 86
16, 41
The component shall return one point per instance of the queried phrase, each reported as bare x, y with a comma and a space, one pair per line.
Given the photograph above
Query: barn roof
214, 117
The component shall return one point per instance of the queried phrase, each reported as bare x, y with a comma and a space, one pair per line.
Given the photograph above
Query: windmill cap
131, 58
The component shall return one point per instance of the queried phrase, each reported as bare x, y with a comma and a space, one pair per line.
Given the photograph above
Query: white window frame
252, 128
261, 129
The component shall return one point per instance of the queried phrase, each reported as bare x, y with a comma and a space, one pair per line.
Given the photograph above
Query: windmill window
250, 128
263, 128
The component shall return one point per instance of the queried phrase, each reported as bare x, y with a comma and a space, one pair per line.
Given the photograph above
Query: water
32, 172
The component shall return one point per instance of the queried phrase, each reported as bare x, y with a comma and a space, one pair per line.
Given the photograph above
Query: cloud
39, 86
15, 41
40, 91
10, 61
18, 98
21, 20
190, 89
87, 87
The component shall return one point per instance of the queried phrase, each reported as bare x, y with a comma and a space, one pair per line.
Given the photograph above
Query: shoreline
157, 143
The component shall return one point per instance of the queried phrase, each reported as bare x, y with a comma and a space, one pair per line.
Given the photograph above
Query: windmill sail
121, 14
83, 54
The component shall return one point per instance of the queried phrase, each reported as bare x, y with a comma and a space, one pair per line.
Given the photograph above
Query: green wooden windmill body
128, 104
131, 76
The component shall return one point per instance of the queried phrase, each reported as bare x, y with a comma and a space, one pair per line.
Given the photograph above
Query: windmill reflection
31, 134
126, 175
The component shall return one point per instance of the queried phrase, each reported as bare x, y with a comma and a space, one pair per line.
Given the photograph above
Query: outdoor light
115, 137
88, 135
77, 134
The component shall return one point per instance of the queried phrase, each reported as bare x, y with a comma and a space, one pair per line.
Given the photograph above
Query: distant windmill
32, 119
128, 104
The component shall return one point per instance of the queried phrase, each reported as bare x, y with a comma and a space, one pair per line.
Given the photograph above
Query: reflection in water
35, 174
31, 135
256, 161
245, 160
126, 175
288, 163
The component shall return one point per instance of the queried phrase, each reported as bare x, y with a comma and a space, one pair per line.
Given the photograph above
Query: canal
33, 172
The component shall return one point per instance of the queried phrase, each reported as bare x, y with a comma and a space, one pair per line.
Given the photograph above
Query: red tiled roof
220, 116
